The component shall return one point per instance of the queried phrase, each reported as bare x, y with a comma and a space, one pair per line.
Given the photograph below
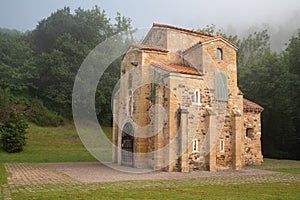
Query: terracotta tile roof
207, 40
182, 29
177, 68
204, 40
249, 105
149, 48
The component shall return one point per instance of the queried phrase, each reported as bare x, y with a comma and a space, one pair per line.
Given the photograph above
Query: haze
281, 17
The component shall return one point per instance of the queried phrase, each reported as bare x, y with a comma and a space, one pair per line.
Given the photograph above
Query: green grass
280, 165
240, 191
62, 144
51, 144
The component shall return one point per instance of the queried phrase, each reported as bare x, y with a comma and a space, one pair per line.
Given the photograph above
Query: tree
272, 80
13, 131
15, 68
212, 29
60, 52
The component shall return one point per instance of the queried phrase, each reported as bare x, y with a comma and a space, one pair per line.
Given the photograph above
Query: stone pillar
184, 145
160, 154
115, 132
237, 139
212, 161
115, 143
119, 150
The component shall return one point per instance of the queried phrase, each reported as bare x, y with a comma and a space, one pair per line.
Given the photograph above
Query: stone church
179, 107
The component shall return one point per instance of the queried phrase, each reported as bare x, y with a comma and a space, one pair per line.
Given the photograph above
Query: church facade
179, 107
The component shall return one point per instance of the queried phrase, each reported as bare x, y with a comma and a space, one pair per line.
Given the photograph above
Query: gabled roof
149, 48
251, 106
212, 39
182, 29
177, 68
218, 37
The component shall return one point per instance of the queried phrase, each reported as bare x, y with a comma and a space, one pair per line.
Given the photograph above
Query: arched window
196, 98
219, 54
130, 102
127, 145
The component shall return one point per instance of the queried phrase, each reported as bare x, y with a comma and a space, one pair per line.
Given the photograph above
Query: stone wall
227, 136
252, 154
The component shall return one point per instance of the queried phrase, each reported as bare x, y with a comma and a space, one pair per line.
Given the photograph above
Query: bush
4, 98
40, 115
13, 132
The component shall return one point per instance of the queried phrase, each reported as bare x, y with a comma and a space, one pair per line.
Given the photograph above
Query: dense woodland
38, 68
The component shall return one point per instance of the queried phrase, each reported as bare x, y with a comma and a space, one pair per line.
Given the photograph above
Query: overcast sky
25, 14
231, 15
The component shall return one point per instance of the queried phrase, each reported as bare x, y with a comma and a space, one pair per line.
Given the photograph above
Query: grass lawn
62, 144
279, 165
239, 191
51, 144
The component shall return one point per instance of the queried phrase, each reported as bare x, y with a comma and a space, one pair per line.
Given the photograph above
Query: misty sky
234, 16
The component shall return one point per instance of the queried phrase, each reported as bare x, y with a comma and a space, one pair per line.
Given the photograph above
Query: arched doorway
127, 144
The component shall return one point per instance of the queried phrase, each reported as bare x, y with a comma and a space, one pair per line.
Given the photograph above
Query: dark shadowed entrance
127, 144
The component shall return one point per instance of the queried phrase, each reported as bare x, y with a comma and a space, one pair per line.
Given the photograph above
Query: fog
280, 17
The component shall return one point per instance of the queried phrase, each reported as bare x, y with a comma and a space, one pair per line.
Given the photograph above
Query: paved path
25, 177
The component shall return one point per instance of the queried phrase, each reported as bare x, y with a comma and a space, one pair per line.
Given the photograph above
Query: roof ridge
147, 47
176, 68
216, 37
251, 105
204, 40
182, 29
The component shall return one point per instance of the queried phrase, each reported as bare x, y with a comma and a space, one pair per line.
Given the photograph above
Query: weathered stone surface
230, 138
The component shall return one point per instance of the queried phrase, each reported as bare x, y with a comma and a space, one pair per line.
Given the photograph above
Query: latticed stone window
221, 86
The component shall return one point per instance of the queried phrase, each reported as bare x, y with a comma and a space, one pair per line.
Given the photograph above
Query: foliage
266, 78
40, 115
273, 81
212, 29
4, 98
43, 63
13, 132
60, 52
15, 68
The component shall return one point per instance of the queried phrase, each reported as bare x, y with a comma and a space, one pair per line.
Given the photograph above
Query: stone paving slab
94, 172
25, 177
25, 174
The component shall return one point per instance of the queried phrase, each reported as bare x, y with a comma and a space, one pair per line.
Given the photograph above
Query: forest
38, 69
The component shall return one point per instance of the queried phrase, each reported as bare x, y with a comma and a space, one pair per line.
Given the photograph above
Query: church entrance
127, 145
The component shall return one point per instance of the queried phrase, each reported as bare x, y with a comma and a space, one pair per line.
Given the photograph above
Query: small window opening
153, 91
195, 145
219, 54
222, 146
196, 98
130, 103
130, 81
250, 133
